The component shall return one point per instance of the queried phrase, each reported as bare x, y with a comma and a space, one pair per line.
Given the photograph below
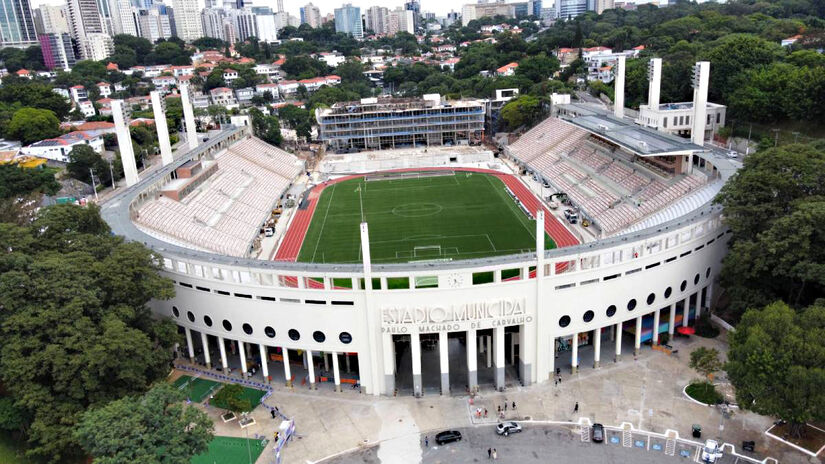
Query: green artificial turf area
231, 450
252, 394
196, 389
461, 216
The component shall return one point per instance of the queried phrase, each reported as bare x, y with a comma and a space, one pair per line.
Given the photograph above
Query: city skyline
326, 6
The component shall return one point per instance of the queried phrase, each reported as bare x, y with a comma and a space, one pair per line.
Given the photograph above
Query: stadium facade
382, 123
488, 322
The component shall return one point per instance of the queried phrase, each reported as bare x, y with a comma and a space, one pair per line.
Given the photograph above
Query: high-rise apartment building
348, 21
187, 19
123, 17
57, 49
377, 19
566, 9
212, 23
311, 14
99, 46
50, 19
400, 20
415, 7
265, 24
154, 23
84, 21
17, 24
243, 21
601, 5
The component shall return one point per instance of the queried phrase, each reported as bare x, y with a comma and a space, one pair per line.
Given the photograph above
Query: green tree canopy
538, 68
705, 360
75, 330
775, 207
82, 159
29, 125
266, 128
520, 111
776, 362
155, 427
16, 181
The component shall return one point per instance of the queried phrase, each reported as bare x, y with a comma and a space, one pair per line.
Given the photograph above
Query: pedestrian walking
495, 454
489, 453
514, 405
272, 411
576, 407
505, 405
426, 441
499, 409
485, 413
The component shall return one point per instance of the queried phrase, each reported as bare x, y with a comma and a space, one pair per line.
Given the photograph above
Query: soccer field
231, 450
196, 389
461, 216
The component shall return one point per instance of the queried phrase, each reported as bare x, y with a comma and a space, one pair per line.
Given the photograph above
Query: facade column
671, 323
656, 317
162, 129
513, 339
190, 348
188, 117
336, 374
444, 352
415, 350
699, 303
264, 363
368, 366
206, 356
326, 361
527, 354
242, 354
222, 348
535, 342
472, 361
498, 345
287, 370
311, 369
597, 347
574, 357
637, 344
686, 312
618, 342
389, 363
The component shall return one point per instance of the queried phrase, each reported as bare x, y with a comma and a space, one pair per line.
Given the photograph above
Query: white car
711, 451
506, 428
732, 154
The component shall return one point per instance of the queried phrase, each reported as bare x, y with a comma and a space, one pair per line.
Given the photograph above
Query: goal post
426, 251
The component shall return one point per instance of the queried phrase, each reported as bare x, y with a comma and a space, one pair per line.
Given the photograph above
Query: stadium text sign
453, 318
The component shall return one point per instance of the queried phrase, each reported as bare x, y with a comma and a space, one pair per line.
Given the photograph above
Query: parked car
448, 436
732, 154
571, 216
598, 433
506, 428
711, 452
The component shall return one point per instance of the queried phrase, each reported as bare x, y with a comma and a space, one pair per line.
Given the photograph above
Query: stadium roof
637, 139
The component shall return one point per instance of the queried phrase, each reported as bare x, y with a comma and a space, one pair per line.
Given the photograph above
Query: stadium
425, 269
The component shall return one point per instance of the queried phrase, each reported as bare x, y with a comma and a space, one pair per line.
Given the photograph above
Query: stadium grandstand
219, 204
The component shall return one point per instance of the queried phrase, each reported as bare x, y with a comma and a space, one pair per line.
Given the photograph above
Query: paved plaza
646, 392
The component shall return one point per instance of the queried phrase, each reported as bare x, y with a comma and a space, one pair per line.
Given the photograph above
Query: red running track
294, 238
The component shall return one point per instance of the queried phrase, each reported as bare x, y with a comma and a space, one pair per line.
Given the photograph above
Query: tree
521, 111
82, 159
231, 397
29, 125
705, 361
34, 94
155, 427
75, 330
266, 128
775, 208
776, 361
538, 68
16, 181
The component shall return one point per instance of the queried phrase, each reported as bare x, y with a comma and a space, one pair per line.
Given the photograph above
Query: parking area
541, 443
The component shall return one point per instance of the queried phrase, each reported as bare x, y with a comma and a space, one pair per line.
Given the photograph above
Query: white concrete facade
365, 321
162, 128
124, 143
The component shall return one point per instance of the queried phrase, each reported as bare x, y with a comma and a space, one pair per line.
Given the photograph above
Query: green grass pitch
230, 450
196, 389
461, 216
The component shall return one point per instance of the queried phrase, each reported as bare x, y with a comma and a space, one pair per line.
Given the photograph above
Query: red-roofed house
24, 73
790, 40
224, 97
112, 67
507, 70
104, 88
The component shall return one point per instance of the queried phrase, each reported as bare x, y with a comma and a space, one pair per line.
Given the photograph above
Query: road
536, 444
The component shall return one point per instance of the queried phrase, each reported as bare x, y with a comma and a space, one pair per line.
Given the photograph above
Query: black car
598, 433
448, 437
